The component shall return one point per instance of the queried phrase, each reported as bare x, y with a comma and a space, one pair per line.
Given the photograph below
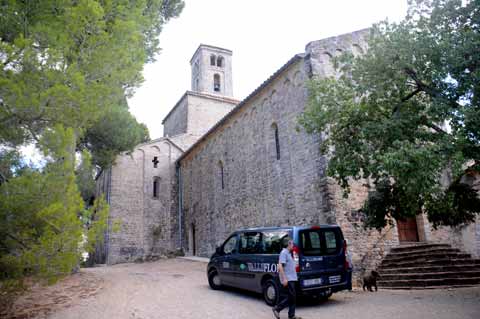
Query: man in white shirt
288, 278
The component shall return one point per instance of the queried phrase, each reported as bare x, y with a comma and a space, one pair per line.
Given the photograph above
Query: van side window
230, 246
273, 241
251, 243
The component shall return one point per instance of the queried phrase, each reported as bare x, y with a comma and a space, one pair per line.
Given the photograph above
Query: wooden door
407, 229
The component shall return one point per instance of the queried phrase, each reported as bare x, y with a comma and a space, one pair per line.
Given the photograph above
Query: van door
227, 261
322, 259
248, 260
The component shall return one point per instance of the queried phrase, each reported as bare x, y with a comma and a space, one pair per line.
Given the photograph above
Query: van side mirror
219, 251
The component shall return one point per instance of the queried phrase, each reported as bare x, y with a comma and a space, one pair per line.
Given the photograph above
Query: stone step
414, 283
441, 250
426, 287
435, 262
429, 269
418, 247
430, 275
424, 256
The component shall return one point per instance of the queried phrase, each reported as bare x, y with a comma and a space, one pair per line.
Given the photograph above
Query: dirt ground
178, 288
41, 300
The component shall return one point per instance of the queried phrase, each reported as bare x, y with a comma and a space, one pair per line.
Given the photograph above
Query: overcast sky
263, 35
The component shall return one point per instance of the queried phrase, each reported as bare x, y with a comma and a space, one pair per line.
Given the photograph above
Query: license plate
334, 279
311, 282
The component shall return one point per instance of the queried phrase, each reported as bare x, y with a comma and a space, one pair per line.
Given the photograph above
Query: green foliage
40, 229
69, 61
115, 131
97, 222
10, 164
64, 67
406, 115
85, 177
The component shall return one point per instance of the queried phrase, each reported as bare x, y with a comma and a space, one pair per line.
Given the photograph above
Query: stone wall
367, 247
195, 113
465, 238
144, 220
204, 111
259, 189
175, 122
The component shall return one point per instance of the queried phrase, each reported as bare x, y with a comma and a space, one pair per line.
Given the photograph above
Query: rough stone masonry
225, 165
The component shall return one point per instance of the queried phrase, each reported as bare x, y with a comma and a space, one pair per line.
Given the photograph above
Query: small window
251, 243
220, 61
216, 82
155, 162
212, 60
277, 140
220, 165
156, 187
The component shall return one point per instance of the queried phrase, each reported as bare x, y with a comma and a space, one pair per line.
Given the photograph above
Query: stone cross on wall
155, 161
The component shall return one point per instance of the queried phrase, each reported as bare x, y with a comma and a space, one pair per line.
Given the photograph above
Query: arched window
220, 168
212, 60
277, 141
216, 82
156, 187
220, 61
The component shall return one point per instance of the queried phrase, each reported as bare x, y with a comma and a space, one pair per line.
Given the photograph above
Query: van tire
271, 292
214, 280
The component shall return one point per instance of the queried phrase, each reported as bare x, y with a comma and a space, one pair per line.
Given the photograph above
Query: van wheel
214, 280
271, 292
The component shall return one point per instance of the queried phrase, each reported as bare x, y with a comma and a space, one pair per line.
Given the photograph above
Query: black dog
370, 281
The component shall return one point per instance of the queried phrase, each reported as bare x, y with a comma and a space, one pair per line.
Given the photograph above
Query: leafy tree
40, 230
405, 116
68, 61
64, 66
85, 177
10, 164
114, 132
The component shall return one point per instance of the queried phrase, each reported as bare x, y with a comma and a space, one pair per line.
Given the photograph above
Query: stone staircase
428, 266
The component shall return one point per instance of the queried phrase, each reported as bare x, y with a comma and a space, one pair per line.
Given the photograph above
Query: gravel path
178, 289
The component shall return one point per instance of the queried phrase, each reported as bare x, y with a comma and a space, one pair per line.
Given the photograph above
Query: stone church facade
223, 165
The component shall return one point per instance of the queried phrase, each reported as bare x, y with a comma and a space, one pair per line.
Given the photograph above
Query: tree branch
436, 128
412, 94
17, 240
428, 89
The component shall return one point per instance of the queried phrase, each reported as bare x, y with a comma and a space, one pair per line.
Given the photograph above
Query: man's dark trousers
289, 299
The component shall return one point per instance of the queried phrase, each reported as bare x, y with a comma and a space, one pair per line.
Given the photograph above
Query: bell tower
212, 71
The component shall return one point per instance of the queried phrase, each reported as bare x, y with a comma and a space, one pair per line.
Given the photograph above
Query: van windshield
318, 242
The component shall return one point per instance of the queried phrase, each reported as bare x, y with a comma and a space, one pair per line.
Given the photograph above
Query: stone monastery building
225, 164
